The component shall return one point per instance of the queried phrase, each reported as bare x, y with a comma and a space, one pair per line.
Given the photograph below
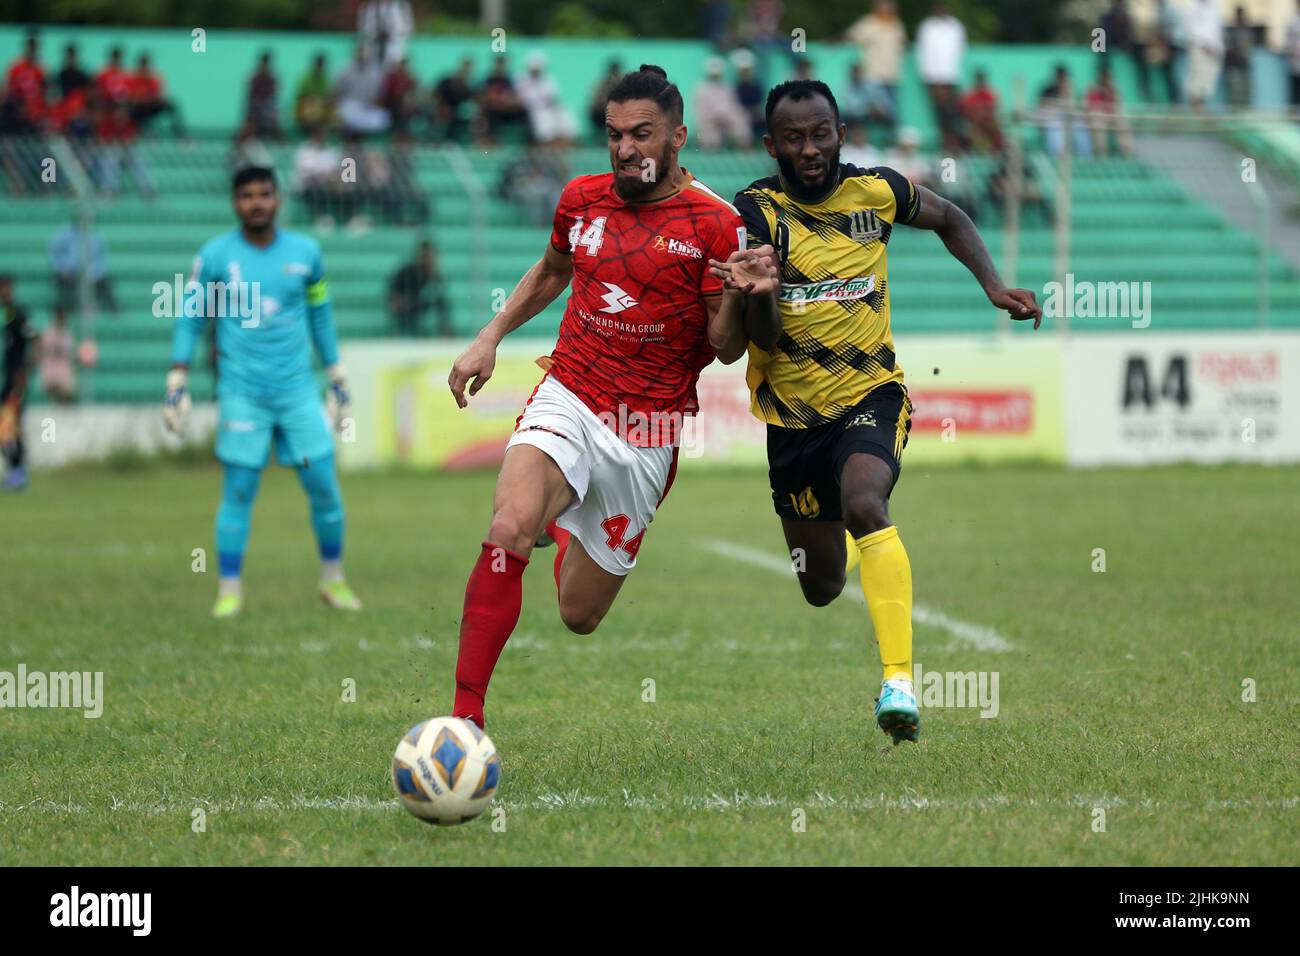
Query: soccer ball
446, 770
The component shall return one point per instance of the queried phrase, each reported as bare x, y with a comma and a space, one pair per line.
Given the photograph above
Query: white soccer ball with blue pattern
446, 770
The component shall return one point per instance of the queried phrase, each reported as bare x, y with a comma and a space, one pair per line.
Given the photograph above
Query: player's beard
638, 187
803, 190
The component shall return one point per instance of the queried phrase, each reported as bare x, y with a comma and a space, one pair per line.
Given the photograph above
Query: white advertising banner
1141, 398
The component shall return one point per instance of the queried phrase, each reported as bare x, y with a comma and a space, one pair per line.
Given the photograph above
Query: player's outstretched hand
176, 400
1019, 303
749, 271
338, 397
474, 366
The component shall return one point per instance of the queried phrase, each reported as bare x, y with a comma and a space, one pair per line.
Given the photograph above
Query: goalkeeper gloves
176, 402
338, 400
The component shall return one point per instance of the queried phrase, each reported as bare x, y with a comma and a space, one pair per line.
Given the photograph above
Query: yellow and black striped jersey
836, 344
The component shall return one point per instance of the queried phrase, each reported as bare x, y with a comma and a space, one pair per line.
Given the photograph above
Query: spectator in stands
313, 101
715, 26
760, 30
1166, 48
385, 26
1292, 52
25, 88
73, 248
415, 288
1121, 36
979, 107
147, 100
58, 379
599, 95
400, 96
113, 82
72, 78
450, 95
1001, 190
412, 205
385, 185
534, 181
1058, 117
1239, 45
498, 102
857, 150
115, 147
720, 120
264, 100
1105, 116
71, 113
940, 48
248, 150
906, 157
13, 117
357, 91
750, 93
863, 101
318, 180
549, 119
371, 190
1205, 52
881, 40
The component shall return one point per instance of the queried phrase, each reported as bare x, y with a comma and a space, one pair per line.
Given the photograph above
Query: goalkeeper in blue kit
265, 289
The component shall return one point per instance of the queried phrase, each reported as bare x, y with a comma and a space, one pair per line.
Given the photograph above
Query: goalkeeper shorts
296, 422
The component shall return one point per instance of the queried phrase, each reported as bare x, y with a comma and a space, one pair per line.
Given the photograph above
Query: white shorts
617, 486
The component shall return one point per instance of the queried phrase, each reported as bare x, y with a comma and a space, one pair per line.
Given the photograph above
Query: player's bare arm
963, 240
726, 333
540, 286
753, 282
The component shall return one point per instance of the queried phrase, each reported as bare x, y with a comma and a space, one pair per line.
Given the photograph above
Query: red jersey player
594, 452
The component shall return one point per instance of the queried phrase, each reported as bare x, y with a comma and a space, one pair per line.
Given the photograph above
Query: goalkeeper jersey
270, 306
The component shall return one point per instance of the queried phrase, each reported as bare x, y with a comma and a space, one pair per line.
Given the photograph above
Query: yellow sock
887, 584
852, 554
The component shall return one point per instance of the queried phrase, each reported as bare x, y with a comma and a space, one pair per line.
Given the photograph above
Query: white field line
973, 635
712, 802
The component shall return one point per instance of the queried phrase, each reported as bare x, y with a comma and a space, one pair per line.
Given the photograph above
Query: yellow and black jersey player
810, 298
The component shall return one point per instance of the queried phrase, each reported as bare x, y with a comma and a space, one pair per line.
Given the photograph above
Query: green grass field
1119, 690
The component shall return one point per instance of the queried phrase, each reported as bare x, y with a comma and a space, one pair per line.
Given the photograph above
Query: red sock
493, 599
561, 539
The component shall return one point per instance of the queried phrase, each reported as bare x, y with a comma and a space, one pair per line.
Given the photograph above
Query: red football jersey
634, 335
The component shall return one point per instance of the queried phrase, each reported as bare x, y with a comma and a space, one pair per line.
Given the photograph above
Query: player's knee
820, 591
512, 531
579, 619
865, 512
240, 490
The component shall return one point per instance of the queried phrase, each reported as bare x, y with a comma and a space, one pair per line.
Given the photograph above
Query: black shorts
804, 464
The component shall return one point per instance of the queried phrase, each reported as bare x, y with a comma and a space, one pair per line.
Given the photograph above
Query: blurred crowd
100, 113
369, 111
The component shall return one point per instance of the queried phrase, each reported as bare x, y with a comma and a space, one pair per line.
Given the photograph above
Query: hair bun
651, 68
